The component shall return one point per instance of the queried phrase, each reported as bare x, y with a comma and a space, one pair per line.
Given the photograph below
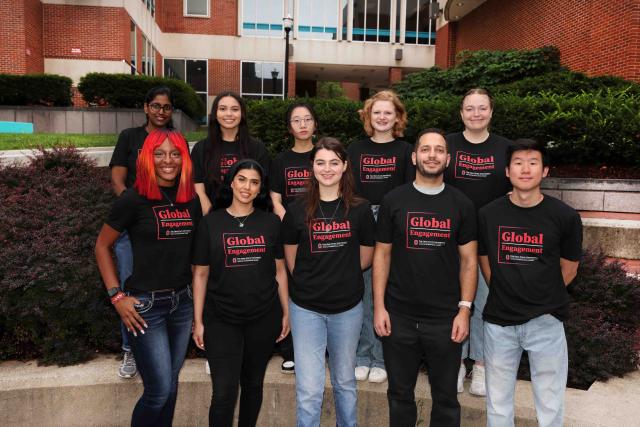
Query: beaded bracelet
117, 297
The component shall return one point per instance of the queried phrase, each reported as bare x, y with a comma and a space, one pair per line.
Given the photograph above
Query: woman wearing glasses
158, 107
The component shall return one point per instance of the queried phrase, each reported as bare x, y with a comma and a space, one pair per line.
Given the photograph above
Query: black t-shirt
229, 155
290, 172
242, 271
425, 232
380, 167
161, 234
130, 142
478, 170
524, 246
327, 277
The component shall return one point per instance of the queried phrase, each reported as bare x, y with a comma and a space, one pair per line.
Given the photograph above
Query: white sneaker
377, 375
462, 372
477, 381
207, 368
362, 373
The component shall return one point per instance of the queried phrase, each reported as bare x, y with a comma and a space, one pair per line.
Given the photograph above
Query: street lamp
287, 23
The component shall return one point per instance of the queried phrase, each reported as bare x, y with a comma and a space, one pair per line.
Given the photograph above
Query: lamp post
287, 23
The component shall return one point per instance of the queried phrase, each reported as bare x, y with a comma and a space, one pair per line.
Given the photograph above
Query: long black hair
212, 152
225, 197
160, 90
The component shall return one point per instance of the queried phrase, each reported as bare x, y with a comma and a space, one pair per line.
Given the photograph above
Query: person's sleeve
384, 226
263, 157
367, 234
483, 243
276, 176
196, 211
278, 249
120, 152
409, 169
469, 223
201, 249
197, 158
289, 229
123, 211
572, 238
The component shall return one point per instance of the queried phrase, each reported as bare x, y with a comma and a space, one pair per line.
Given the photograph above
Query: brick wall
395, 75
224, 74
99, 32
34, 62
291, 90
445, 55
21, 37
222, 20
595, 37
351, 90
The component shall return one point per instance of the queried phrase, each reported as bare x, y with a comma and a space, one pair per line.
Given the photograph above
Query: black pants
285, 348
238, 354
403, 351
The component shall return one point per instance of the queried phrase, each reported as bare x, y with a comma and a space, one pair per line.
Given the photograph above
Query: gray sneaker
128, 368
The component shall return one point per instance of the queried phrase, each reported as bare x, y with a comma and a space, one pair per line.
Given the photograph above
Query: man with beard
424, 279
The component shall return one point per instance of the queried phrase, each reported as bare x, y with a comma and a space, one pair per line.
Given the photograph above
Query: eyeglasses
160, 155
155, 107
306, 120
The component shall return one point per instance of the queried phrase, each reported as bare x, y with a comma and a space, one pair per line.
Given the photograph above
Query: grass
21, 141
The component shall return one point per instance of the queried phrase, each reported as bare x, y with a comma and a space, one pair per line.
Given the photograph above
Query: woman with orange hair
160, 213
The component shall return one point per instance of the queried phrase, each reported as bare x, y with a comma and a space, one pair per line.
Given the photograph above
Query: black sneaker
288, 367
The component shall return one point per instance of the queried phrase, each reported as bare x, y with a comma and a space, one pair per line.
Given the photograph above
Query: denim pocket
146, 303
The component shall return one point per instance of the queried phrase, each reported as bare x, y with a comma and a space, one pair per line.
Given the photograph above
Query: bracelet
117, 297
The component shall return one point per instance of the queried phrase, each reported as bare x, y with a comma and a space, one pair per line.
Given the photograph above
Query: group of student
369, 255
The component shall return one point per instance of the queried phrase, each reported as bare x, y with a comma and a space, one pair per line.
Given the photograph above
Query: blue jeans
160, 353
124, 258
313, 334
544, 340
369, 347
473, 347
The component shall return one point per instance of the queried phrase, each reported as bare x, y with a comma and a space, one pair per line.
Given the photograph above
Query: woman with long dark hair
228, 141
158, 108
160, 213
240, 293
328, 239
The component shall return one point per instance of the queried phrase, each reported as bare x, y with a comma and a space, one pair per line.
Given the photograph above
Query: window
420, 29
371, 20
318, 19
260, 80
196, 8
148, 65
262, 18
192, 71
151, 6
133, 48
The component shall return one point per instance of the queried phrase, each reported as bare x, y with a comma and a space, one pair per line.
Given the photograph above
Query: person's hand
130, 317
285, 328
460, 329
198, 334
382, 322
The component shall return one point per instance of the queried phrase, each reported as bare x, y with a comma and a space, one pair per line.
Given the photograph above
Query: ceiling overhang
455, 10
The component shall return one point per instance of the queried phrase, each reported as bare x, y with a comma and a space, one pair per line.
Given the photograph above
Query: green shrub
35, 89
128, 91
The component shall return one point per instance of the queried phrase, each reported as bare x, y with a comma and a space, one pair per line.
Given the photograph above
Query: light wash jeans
369, 346
473, 346
544, 340
124, 258
313, 333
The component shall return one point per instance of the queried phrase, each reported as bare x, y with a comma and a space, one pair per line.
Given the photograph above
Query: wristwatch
467, 304
113, 291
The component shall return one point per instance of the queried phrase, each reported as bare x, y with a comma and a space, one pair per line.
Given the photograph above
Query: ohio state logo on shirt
377, 167
226, 161
295, 179
427, 230
328, 235
519, 245
243, 249
473, 166
172, 222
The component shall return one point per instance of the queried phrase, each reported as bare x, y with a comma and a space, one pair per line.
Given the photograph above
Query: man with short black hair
529, 248
424, 279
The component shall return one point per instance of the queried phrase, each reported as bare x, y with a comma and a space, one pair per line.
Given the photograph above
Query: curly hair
401, 112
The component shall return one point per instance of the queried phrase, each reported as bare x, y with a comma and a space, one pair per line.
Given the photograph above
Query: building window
318, 19
133, 48
261, 80
196, 8
151, 6
262, 18
372, 20
192, 71
420, 29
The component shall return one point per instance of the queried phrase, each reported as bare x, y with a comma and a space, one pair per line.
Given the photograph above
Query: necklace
165, 195
334, 211
237, 218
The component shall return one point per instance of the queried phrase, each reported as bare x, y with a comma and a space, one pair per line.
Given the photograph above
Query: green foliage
128, 91
35, 89
329, 90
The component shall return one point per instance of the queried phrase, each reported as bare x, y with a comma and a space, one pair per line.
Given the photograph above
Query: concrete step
617, 237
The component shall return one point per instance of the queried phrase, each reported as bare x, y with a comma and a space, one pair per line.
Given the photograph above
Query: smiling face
431, 157
476, 112
328, 168
167, 161
229, 113
246, 186
302, 124
383, 116
158, 111
526, 170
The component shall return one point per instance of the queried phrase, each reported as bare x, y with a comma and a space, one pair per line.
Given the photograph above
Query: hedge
35, 89
128, 91
53, 306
